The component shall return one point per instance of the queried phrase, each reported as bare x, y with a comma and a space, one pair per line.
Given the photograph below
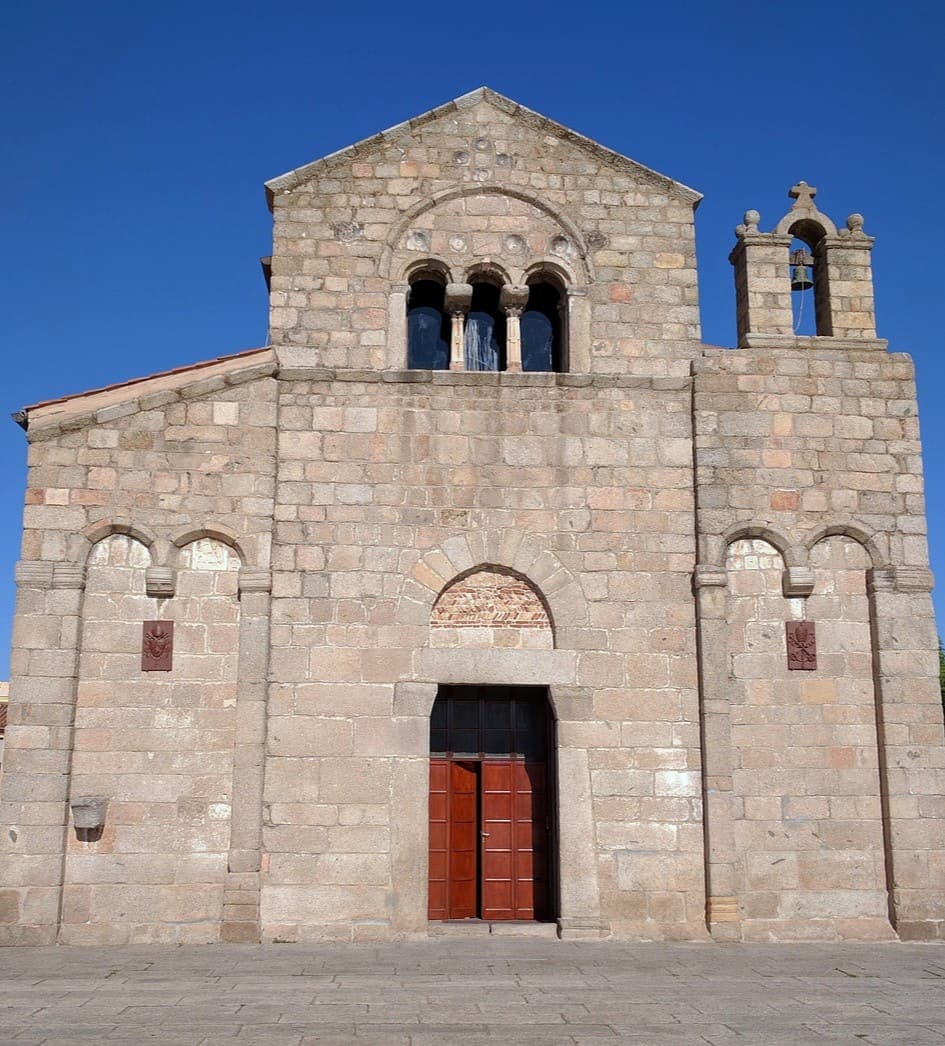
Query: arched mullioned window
484, 347
428, 326
489, 323
542, 326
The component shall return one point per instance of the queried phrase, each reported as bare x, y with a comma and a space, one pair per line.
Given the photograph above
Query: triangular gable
293, 179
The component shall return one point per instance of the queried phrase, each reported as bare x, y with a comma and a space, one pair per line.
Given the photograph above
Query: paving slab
476, 991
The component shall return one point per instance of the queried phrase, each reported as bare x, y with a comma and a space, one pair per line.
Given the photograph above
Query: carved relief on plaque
801, 646
157, 646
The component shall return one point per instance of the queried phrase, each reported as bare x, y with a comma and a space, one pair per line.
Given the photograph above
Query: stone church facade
486, 594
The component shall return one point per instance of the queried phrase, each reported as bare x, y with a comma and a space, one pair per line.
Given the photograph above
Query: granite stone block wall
158, 747
817, 453
410, 476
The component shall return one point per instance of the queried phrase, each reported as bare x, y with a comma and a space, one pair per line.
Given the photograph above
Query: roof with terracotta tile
186, 369
223, 368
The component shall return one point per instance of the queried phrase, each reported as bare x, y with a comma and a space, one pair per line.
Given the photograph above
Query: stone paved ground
480, 990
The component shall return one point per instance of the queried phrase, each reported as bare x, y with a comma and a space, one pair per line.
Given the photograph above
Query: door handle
485, 835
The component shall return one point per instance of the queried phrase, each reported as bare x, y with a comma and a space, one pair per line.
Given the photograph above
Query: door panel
514, 840
464, 833
439, 839
454, 840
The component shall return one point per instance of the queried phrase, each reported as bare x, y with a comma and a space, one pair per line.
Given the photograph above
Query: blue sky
136, 139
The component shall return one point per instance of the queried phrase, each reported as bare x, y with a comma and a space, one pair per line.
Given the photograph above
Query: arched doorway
492, 831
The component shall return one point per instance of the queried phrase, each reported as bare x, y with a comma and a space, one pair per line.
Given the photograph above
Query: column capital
900, 579
881, 580
160, 582
68, 575
914, 579
513, 298
255, 580
708, 575
33, 574
458, 298
797, 581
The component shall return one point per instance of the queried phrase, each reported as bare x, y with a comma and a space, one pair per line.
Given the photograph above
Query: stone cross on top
804, 195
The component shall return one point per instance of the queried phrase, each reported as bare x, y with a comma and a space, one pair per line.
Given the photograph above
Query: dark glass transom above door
490, 721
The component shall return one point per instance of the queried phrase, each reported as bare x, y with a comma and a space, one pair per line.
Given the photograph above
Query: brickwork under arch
491, 608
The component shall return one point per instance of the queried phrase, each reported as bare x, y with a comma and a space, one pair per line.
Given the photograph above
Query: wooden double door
490, 814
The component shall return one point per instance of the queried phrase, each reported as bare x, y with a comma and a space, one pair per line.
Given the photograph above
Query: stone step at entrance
483, 928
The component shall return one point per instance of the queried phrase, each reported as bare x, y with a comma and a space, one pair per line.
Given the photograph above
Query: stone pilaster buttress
909, 725
38, 752
241, 890
722, 911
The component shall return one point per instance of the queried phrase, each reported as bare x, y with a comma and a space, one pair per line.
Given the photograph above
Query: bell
801, 278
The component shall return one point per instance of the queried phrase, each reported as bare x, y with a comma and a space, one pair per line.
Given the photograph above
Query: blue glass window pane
484, 347
541, 329
428, 333
537, 341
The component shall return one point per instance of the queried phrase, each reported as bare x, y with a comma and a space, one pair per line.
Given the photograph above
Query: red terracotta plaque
801, 646
157, 646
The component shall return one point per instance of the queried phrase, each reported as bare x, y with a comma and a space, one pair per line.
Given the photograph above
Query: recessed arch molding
456, 192
795, 549
504, 549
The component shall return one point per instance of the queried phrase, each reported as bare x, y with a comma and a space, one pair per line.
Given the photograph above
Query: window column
458, 300
513, 300
562, 363
576, 332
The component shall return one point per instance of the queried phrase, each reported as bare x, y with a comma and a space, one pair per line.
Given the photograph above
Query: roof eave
112, 401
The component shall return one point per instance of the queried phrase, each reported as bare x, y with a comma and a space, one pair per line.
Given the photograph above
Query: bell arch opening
810, 285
